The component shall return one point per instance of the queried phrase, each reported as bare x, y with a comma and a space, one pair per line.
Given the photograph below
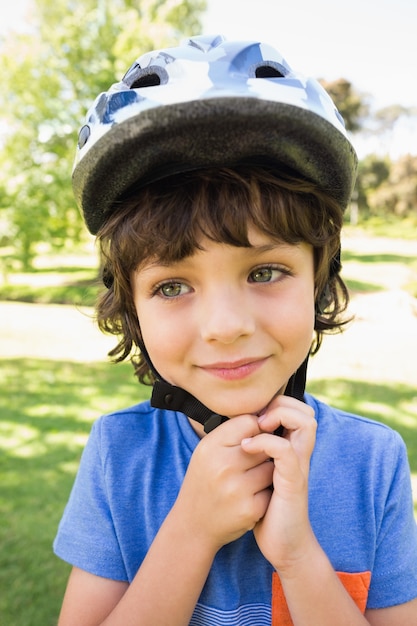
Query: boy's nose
226, 319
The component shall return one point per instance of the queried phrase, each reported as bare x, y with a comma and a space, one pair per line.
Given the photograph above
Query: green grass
47, 408
386, 226
78, 285
367, 260
392, 404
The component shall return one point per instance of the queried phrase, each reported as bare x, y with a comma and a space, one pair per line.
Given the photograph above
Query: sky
371, 43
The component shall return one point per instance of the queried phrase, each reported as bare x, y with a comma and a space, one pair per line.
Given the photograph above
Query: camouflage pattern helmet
208, 102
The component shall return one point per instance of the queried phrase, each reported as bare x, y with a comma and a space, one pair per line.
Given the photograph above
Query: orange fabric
357, 586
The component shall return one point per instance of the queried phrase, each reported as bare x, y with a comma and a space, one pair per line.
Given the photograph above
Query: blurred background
55, 378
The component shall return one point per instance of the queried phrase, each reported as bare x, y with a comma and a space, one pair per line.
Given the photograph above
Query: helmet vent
267, 72
151, 76
148, 80
268, 69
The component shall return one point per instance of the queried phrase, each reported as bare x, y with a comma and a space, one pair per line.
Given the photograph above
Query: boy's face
229, 324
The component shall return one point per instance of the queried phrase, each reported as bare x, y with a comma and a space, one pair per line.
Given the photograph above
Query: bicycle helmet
208, 102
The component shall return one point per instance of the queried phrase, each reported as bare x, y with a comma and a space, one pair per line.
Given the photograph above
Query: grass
365, 263
392, 404
388, 226
77, 285
47, 408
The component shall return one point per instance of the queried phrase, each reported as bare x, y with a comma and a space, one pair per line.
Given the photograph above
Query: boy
215, 178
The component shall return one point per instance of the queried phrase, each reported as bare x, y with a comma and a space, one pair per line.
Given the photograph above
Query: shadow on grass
392, 404
46, 409
348, 255
54, 285
358, 286
63, 269
81, 292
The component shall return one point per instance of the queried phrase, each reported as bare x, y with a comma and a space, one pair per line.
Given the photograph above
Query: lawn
47, 406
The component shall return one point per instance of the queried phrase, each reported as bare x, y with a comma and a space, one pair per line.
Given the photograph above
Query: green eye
262, 275
171, 290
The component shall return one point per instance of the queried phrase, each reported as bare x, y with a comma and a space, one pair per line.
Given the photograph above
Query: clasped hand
242, 477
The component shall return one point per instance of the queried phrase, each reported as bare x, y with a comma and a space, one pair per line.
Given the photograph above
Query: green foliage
386, 118
383, 187
372, 172
398, 192
50, 76
387, 188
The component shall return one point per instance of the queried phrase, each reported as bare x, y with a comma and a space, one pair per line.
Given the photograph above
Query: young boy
215, 178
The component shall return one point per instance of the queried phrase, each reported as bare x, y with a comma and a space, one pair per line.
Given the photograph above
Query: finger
300, 427
260, 476
274, 447
261, 502
232, 432
281, 401
226, 439
289, 415
277, 448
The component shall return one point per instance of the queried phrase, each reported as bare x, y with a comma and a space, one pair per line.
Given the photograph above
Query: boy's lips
234, 370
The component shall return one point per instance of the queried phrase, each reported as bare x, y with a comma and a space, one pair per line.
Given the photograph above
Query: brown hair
167, 219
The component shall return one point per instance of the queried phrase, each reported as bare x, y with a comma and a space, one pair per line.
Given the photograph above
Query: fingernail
246, 440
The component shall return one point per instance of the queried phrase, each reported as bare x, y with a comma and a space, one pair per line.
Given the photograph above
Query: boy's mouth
234, 370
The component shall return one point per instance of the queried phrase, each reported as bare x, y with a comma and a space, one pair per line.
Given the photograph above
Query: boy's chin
240, 405
249, 408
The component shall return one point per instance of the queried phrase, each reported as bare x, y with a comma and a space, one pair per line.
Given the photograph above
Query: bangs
167, 220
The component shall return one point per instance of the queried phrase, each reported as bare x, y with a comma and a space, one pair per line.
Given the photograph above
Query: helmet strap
172, 398
167, 396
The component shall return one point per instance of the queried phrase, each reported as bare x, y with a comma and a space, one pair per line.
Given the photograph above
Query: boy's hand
284, 533
226, 490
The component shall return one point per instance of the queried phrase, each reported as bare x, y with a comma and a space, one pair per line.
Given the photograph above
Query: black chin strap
167, 396
297, 384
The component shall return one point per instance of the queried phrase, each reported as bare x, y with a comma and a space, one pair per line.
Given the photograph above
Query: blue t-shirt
360, 503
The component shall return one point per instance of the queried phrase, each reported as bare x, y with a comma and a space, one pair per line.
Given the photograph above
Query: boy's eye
172, 290
264, 274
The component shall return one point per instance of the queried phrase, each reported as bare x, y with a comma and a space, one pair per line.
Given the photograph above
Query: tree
351, 104
397, 195
382, 186
373, 171
49, 77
